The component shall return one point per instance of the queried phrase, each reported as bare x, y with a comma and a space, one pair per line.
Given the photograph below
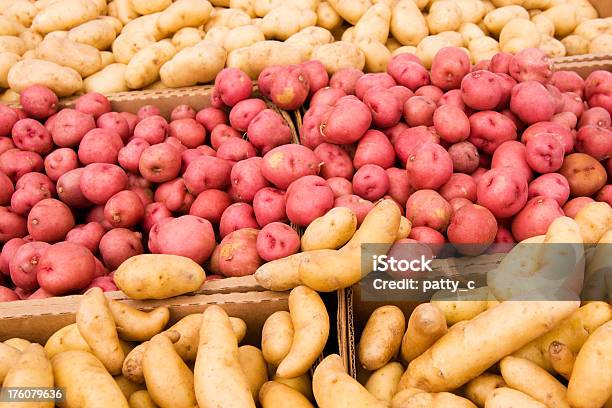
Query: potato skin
382, 337
193, 65
66, 338
63, 81
584, 174
330, 231
276, 395
276, 337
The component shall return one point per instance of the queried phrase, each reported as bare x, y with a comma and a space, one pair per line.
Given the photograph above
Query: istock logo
385, 263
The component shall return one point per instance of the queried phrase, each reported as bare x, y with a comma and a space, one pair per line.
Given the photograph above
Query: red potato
399, 186
40, 293
50, 220
371, 182
315, 73
552, 185
427, 208
234, 149
544, 153
285, 164
289, 88
557, 97
244, 111
154, 213
207, 172
8, 251
531, 64
568, 81
520, 126
30, 135
448, 68
233, 86
532, 102
100, 146
106, 283
131, 119
277, 240
341, 186
96, 214
430, 91
264, 81
503, 191
605, 194
503, 242
38, 101
7, 295
188, 131
458, 202
368, 81
596, 116
69, 189
119, 244
598, 90
595, 141
221, 133
535, 218
425, 235
215, 99
267, 130
65, 268
29, 190
418, 111
100, 181
269, 206
246, 179
147, 111
8, 118
101, 269
481, 90
335, 161
25, 263
472, 229
174, 142
20, 113
59, 162
500, 63
573, 103
459, 185
211, 117
93, 103
87, 235
237, 254
429, 167
411, 139
512, 154
564, 135
160, 162
124, 209
235, 217
408, 72
69, 127
359, 206
385, 107
129, 155
464, 156
188, 235
15, 163
401, 93
568, 120
210, 205
6, 189
345, 79
310, 132
326, 96
145, 195
373, 148
573, 206
6, 143
453, 98
345, 122
394, 132
175, 196
506, 83
308, 198
182, 112
451, 123
153, 129
489, 129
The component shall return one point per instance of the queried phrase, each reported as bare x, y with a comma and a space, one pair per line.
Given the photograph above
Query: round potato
564, 18
575, 45
518, 35
187, 37
338, 55
242, 36
498, 18
327, 17
444, 15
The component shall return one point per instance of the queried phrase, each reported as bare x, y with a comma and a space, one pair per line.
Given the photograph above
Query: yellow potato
254, 368
552, 47
230, 18
544, 24
377, 55
307, 39
145, 7
145, 25
469, 32
383, 382
518, 35
404, 228
350, 10
594, 219
374, 23
497, 19
9, 96
276, 395
430, 400
444, 15
453, 37
281, 274
64, 15
219, 379
31, 39
8, 358
327, 17
536, 4
184, 13
263, 7
584, 10
247, 6
126, 46
504, 397
281, 23
23, 12
19, 344
472, 11
66, 338
406, 49
564, 17
382, 337
263, 54
187, 37
331, 230
192, 65
276, 337
86, 381
598, 269
480, 387
144, 68
429, 47
7, 60
10, 26
132, 364
217, 35
12, 44
242, 36
311, 330
125, 12
114, 22
135, 325
338, 55
96, 33
458, 307
83, 58
31, 370
63, 81
126, 386
141, 399
392, 44
107, 58
561, 358
601, 44
110, 79
590, 29
425, 326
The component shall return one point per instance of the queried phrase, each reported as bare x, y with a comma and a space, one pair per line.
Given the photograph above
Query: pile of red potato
473, 155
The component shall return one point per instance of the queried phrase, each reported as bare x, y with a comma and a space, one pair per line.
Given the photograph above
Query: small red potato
69, 189
59, 162
221, 133
29, 190
237, 254
426, 235
93, 103
535, 218
341, 186
374, 148
267, 130
40, 293
584, 174
326, 97
211, 117
190, 155
573, 206
472, 229
154, 213
210, 205
147, 111
430, 91
131, 119
597, 89
175, 196
235, 217
345, 79
65, 268
246, 179
101, 269
458, 202
69, 127
6, 143
124, 209
153, 129
30, 135
459, 185
346, 121
207, 172
244, 111
503, 191
285, 164
605, 194
500, 63
315, 73
129, 155
307, 198
269, 206
481, 90
182, 112
552, 185
503, 242
87, 235
356, 204
106, 283
568, 81
464, 156
565, 136
453, 98
15, 163
507, 83
24, 264
8, 117
427, 208
264, 81
100, 146
188, 131
531, 64
233, 86
96, 214
512, 154
490, 129
408, 71
277, 240
418, 111
557, 97
235, 149
100, 181
411, 139
429, 167
289, 88
160, 162
371, 182
532, 102
215, 99
12, 225
335, 161
145, 195
188, 235
310, 132
401, 93
368, 81
119, 244
385, 107
568, 120
8, 251
573, 103
451, 123
596, 116
544, 153
448, 68
595, 141
50, 220
38, 101
7, 295
399, 185
6, 189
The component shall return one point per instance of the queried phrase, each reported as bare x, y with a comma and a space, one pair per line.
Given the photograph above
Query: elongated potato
144, 68
18, 343
107, 58
311, 330
8, 357
425, 326
187, 37
135, 325
157, 276
83, 58
145, 7
331, 230
507, 397
219, 379
86, 381
66, 338
31, 370
518, 35
64, 15
463, 306
281, 274
301, 384
254, 367
383, 382
590, 384
10, 26
145, 25
594, 220
374, 23
598, 270
282, 22
7, 60
124, 11
529, 378
96, 33
561, 358
31, 39
132, 364
184, 13
430, 400
351, 10
498, 18
465, 353
23, 12
382, 337
243, 36
276, 395
258, 56
377, 55
63, 81
334, 388
338, 55
229, 18
141, 399
126, 386
110, 79
478, 389
564, 17
12, 44
192, 65
404, 228
169, 380
327, 17
114, 22
127, 45
276, 337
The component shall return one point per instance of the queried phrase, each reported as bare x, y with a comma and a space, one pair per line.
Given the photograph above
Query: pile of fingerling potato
74, 46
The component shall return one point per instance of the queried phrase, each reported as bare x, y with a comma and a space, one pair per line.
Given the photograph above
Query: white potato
552, 47
143, 68
83, 58
497, 19
377, 55
144, 7
16, 45
107, 58
584, 10
22, 11
282, 22
111, 79
247, 6
217, 34
114, 22
184, 13
31, 39
187, 37
600, 44
544, 25
444, 15
193, 65
469, 32
124, 11
97, 33
592, 28
308, 39
472, 11
126, 46
575, 45
406, 49
374, 24
63, 81
564, 18
327, 17
408, 25
483, 48
429, 47
350, 10
7, 60
338, 55
229, 18
145, 24
10, 26
518, 35
64, 15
